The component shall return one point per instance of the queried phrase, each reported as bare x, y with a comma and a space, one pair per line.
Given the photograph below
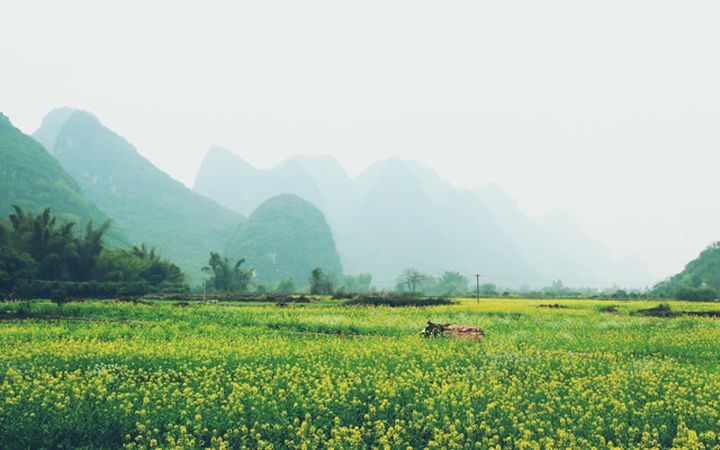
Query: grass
325, 375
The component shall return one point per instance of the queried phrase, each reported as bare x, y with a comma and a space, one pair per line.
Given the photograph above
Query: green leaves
226, 276
39, 248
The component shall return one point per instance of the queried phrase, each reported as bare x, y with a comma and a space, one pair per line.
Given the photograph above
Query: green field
323, 375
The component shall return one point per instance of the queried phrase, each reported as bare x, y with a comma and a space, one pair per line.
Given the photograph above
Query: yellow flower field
329, 376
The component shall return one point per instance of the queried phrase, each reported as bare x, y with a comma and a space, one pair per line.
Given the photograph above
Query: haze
606, 111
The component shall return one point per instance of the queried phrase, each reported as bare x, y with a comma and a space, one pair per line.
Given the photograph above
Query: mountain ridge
149, 204
33, 179
487, 232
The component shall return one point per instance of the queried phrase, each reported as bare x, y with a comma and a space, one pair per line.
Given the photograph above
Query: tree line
41, 257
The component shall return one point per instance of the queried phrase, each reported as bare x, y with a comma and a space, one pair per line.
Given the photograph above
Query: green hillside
147, 203
700, 280
31, 178
286, 237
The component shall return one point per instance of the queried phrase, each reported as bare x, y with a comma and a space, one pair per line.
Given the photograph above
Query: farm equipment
457, 331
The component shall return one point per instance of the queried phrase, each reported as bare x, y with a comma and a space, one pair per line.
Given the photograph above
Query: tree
4, 234
154, 269
556, 288
53, 248
488, 289
286, 286
412, 279
47, 258
452, 284
226, 276
357, 284
700, 274
320, 283
88, 250
15, 265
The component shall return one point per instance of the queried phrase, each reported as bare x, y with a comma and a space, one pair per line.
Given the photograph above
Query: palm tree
227, 276
88, 250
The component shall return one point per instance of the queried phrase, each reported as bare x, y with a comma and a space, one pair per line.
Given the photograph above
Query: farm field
323, 375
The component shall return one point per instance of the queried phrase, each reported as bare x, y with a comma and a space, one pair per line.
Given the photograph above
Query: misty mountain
399, 214
585, 261
286, 237
558, 247
236, 184
412, 218
147, 203
31, 178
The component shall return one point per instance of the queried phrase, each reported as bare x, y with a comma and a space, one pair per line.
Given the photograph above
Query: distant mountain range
399, 214
185, 226
395, 215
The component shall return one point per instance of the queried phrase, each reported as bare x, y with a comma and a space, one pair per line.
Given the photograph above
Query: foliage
452, 284
15, 265
140, 264
321, 283
700, 279
356, 284
398, 300
411, 280
488, 289
211, 376
29, 288
226, 276
286, 286
696, 295
37, 249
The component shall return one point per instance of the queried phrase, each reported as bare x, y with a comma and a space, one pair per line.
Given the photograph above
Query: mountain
412, 218
286, 237
147, 203
583, 261
237, 185
700, 274
31, 178
556, 245
399, 214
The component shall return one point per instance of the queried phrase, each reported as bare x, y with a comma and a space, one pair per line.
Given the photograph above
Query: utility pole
477, 282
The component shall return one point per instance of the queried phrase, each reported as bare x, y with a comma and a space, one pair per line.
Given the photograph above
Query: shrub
398, 300
696, 295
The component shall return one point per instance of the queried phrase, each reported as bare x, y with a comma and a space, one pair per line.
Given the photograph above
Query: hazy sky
609, 110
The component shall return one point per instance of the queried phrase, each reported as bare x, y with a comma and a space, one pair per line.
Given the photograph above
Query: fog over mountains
146, 203
303, 213
399, 214
286, 238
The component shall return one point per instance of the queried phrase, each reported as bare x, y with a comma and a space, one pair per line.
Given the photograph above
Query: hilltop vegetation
147, 203
700, 280
286, 238
31, 177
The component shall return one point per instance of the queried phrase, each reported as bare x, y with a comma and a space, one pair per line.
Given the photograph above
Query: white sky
609, 110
